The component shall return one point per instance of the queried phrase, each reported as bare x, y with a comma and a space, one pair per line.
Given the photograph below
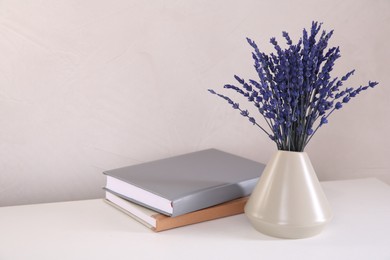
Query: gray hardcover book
186, 183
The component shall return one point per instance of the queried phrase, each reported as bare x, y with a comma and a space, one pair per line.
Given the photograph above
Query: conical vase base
288, 201
286, 231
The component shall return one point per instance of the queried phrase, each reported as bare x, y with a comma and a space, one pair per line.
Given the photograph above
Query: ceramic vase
288, 201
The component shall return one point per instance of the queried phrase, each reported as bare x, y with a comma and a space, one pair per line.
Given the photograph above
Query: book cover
159, 222
185, 183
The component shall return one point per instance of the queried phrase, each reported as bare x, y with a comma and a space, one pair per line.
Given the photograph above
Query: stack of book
184, 189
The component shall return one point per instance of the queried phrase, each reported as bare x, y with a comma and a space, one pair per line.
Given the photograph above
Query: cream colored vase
288, 201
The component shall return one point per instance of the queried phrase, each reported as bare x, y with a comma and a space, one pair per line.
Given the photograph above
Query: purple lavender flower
295, 93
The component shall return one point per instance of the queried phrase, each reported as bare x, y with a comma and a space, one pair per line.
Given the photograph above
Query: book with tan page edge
159, 222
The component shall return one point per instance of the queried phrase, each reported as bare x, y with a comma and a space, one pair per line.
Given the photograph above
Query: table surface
91, 229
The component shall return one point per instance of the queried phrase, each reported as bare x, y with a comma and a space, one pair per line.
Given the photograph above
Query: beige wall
87, 86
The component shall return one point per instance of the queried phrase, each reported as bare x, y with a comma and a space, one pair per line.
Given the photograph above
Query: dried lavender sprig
244, 113
351, 94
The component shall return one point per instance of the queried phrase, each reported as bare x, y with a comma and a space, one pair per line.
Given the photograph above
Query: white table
91, 229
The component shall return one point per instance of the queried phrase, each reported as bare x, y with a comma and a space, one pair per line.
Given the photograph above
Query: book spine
214, 196
220, 211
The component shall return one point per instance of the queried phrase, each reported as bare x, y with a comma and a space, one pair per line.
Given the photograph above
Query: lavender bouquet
294, 92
